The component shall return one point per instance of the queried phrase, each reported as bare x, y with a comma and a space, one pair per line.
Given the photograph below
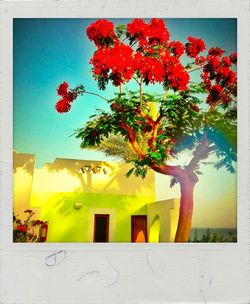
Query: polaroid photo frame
88, 272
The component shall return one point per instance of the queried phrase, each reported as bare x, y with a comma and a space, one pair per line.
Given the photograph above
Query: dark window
101, 231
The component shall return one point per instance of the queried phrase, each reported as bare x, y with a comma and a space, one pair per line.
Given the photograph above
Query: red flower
21, 228
117, 60
152, 70
225, 61
138, 29
158, 32
226, 75
214, 94
206, 80
62, 89
177, 48
195, 108
200, 60
216, 51
176, 74
177, 77
194, 47
233, 58
101, 32
62, 106
212, 64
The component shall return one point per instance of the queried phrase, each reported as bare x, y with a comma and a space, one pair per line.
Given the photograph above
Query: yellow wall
57, 188
23, 168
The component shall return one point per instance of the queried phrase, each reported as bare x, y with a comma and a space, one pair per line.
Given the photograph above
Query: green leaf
130, 172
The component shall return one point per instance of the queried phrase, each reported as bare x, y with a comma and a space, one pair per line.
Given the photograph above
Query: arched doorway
154, 232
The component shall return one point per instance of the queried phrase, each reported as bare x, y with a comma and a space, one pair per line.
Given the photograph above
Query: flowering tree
186, 116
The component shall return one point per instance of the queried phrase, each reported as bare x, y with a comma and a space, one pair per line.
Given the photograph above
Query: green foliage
210, 237
120, 29
181, 128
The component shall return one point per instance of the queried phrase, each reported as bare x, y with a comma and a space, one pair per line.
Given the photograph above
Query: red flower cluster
233, 58
63, 105
226, 62
21, 228
152, 70
214, 94
101, 32
148, 34
216, 51
177, 48
116, 60
156, 60
158, 32
194, 46
195, 108
139, 30
217, 74
177, 76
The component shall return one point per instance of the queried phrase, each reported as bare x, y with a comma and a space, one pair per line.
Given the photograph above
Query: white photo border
123, 273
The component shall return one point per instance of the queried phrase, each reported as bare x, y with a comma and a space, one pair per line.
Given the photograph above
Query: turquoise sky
50, 51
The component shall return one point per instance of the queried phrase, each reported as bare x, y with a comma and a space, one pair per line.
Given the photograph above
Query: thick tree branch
155, 131
202, 152
175, 171
132, 138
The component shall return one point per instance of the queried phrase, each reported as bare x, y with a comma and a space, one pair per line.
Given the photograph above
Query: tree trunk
186, 209
187, 180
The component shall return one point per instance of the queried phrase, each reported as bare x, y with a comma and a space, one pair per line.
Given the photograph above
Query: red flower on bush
216, 51
62, 89
225, 75
62, 106
194, 46
177, 76
214, 94
177, 48
21, 228
195, 108
138, 29
101, 32
233, 58
225, 61
152, 70
116, 60
158, 32
212, 64
200, 60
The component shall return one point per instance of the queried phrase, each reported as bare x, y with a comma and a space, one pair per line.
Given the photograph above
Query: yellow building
92, 201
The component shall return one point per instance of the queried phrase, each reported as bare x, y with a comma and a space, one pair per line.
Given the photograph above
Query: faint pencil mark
117, 274
203, 296
91, 274
55, 258
210, 282
102, 8
149, 264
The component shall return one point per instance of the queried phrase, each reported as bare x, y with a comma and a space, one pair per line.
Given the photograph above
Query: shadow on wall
23, 161
85, 171
70, 224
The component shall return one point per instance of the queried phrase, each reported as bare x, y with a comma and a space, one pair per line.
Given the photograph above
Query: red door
101, 228
139, 228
